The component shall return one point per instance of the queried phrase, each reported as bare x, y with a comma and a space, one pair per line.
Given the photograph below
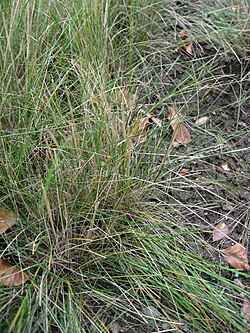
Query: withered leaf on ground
181, 133
143, 126
11, 276
185, 170
187, 46
7, 220
236, 256
220, 231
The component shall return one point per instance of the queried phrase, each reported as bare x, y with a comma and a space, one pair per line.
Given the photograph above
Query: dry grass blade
11, 276
236, 256
7, 220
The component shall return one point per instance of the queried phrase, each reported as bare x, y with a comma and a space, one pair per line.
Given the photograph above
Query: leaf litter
142, 127
7, 220
186, 45
181, 133
220, 231
11, 276
236, 256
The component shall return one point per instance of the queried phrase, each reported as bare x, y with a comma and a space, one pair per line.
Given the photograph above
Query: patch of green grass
103, 230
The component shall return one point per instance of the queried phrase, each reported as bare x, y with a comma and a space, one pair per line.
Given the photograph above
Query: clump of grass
102, 231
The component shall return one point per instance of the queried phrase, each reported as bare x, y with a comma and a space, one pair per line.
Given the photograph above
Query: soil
208, 194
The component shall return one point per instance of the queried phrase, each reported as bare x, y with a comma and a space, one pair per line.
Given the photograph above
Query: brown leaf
143, 126
7, 220
220, 231
185, 170
236, 256
245, 309
181, 133
187, 46
11, 276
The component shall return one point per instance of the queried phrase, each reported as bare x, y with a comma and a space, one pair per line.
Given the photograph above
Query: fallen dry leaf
181, 133
201, 121
225, 166
245, 309
7, 220
185, 170
236, 256
11, 276
220, 231
143, 126
187, 46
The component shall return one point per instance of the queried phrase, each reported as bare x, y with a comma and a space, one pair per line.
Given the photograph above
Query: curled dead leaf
187, 46
143, 126
11, 276
7, 220
220, 231
181, 133
236, 256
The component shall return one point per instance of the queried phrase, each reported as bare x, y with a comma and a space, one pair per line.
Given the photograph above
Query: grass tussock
108, 229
